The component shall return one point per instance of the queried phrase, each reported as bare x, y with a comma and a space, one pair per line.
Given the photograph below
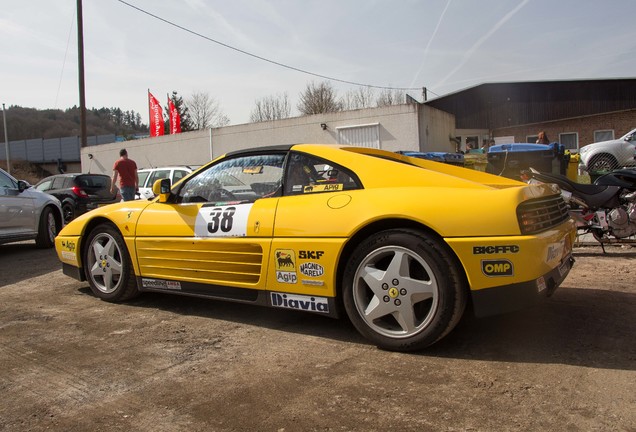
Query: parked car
334, 229
78, 192
27, 214
148, 176
609, 155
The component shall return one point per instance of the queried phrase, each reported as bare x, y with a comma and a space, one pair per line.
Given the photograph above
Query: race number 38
222, 221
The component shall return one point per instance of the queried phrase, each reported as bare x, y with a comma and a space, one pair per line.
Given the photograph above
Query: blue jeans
127, 193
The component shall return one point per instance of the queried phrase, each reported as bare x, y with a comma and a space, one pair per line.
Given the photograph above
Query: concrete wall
399, 129
436, 130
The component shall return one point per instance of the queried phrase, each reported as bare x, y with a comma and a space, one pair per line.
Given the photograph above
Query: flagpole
149, 112
6, 140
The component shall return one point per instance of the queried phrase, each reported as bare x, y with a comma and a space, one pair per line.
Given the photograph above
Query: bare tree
390, 97
362, 97
318, 98
271, 108
205, 111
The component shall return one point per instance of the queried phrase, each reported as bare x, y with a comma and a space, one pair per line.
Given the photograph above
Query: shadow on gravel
21, 261
578, 327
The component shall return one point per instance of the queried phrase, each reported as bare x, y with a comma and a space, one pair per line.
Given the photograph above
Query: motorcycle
605, 209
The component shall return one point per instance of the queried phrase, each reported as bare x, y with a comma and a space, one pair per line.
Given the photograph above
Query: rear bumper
508, 298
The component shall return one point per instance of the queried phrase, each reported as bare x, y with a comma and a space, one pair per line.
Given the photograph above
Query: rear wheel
48, 228
403, 290
107, 265
68, 211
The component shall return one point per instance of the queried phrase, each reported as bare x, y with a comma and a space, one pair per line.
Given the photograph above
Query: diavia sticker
222, 221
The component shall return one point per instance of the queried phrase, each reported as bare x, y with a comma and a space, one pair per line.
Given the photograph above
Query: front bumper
508, 298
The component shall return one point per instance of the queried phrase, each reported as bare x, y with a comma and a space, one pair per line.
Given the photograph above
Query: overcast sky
444, 45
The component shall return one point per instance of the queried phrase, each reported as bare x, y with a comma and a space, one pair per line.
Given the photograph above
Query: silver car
27, 213
609, 155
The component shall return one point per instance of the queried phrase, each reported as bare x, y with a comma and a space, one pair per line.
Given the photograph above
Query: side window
178, 175
308, 174
241, 179
45, 185
143, 175
58, 183
6, 182
157, 175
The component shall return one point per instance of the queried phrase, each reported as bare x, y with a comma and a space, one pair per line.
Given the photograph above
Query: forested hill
28, 123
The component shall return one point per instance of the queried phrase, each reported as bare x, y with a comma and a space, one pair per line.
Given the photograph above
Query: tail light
79, 192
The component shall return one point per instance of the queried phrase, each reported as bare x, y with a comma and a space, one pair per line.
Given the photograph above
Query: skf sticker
300, 302
493, 268
323, 188
308, 254
222, 221
499, 249
312, 269
285, 266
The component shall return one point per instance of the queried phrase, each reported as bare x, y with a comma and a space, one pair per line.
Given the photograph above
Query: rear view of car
79, 193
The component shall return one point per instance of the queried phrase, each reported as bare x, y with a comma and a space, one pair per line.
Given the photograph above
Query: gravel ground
70, 362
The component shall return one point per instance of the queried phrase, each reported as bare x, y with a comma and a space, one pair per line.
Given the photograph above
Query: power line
263, 58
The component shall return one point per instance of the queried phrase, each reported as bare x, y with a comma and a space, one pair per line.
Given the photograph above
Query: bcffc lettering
489, 250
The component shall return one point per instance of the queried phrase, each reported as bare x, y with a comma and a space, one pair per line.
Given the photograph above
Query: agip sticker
285, 260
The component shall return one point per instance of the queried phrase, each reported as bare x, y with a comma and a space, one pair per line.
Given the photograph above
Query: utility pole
424, 94
6, 140
80, 63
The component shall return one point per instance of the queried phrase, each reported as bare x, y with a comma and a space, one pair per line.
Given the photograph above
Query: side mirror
161, 188
22, 186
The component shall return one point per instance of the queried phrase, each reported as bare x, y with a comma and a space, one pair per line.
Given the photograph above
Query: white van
148, 176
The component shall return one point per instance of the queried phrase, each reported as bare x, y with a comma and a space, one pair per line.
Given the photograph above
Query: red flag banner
175, 119
156, 116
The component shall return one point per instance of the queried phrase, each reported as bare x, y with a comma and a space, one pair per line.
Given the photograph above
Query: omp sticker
493, 268
323, 188
160, 284
306, 303
222, 221
285, 261
69, 256
312, 269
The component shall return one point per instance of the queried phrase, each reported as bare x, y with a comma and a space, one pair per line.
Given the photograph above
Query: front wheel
403, 290
107, 265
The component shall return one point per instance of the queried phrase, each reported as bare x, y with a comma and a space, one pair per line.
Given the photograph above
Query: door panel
205, 243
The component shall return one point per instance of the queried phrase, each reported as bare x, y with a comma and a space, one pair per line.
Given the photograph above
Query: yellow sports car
398, 244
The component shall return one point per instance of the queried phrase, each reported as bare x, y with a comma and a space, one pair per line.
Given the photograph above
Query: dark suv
79, 193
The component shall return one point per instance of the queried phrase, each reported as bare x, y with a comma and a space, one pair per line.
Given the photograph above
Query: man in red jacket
126, 170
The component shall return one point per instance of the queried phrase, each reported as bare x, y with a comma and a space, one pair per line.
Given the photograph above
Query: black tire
68, 210
403, 290
602, 163
107, 265
48, 227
